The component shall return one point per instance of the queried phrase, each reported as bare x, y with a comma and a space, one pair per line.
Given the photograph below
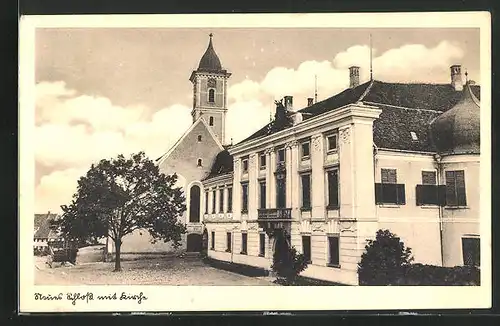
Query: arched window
211, 121
211, 95
199, 162
199, 138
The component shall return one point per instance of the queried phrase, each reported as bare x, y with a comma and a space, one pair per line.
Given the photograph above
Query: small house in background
43, 233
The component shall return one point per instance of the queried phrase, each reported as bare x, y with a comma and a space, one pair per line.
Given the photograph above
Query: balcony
274, 214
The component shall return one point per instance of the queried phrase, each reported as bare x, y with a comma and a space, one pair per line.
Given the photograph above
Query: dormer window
211, 121
211, 95
413, 136
199, 162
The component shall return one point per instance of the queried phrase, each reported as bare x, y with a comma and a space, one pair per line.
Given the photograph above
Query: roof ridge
404, 107
367, 90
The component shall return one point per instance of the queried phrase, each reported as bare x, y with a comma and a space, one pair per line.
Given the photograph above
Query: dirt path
150, 271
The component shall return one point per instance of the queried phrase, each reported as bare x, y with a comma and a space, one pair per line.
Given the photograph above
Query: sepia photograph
217, 154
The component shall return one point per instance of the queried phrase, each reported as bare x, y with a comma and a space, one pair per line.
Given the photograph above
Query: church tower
210, 92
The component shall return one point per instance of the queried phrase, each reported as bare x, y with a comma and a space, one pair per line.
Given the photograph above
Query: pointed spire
210, 61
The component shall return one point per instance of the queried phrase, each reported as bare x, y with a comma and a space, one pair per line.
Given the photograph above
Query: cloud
408, 63
56, 189
74, 130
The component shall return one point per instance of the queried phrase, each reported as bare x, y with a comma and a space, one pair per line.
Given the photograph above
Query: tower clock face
212, 82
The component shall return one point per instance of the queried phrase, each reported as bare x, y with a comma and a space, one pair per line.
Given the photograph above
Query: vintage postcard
255, 162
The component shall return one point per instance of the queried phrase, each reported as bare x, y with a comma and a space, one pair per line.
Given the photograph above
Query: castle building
378, 155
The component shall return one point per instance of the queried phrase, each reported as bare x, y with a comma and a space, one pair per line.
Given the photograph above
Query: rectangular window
244, 243
471, 251
389, 176
428, 177
262, 244
331, 142
334, 250
214, 194
281, 155
206, 202
245, 165
389, 191
221, 201
228, 242
306, 150
262, 194
455, 188
229, 199
306, 191
306, 247
333, 188
244, 198
212, 241
262, 161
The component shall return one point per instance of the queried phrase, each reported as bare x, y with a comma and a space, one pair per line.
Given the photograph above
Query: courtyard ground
142, 270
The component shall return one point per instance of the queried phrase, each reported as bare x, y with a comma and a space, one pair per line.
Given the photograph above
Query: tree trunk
118, 266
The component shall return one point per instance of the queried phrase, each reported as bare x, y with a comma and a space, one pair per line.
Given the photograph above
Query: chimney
456, 77
353, 76
310, 101
289, 102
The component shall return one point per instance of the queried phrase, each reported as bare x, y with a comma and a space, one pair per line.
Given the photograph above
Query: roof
42, 225
457, 131
223, 164
210, 60
405, 108
162, 158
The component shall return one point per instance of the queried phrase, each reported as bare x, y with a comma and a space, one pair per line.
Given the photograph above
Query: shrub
384, 261
419, 274
287, 263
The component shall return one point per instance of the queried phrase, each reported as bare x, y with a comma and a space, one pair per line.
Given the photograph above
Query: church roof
210, 60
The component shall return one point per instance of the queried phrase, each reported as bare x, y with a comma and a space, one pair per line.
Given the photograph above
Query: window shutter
401, 197
451, 199
460, 187
378, 193
392, 176
419, 195
442, 195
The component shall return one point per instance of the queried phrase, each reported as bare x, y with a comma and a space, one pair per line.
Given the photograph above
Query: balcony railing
275, 214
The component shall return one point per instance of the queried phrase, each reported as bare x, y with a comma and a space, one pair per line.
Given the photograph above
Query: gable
183, 157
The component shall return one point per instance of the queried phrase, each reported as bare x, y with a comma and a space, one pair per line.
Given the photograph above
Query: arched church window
211, 121
199, 138
211, 95
199, 162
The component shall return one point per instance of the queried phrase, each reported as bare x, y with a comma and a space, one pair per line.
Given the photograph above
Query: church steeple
210, 91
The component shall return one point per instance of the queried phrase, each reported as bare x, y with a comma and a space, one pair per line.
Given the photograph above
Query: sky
101, 92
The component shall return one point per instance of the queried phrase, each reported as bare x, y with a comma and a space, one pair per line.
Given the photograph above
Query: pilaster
236, 189
318, 188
